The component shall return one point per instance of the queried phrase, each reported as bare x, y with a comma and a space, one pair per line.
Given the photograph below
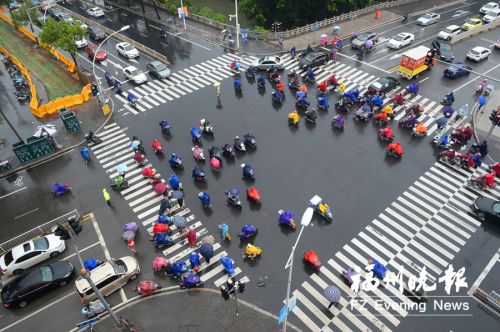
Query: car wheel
63, 283
18, 271
133, 277
54, 254
325, 62
22, 304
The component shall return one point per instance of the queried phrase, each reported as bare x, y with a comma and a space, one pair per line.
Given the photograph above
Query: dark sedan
35, 283
314, 59
444, 50
487, 208
456, 70
158, 69
383, 85
96, 33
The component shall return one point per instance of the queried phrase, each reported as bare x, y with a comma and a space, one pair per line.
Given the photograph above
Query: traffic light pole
86, 275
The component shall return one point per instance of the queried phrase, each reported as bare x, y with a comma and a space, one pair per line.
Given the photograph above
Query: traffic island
198, 309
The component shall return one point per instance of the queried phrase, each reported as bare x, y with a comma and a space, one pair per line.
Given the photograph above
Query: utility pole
11, 126
183, 15
237, 25
86, 275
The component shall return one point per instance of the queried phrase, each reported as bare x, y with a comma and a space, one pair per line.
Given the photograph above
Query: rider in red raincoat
323, 86
396, 148
191, 236
387, 132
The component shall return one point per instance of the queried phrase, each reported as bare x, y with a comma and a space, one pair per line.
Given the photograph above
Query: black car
487, 208
96, 33
314, 59
38, 281
444, 50
384, 85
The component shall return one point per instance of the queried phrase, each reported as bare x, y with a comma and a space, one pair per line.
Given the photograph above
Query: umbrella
48, 129
369, 43
209, 239
179, 221
207, 250
160, 188
128, 235
234, 192
332, 294
121, 168
177, 194
135, 144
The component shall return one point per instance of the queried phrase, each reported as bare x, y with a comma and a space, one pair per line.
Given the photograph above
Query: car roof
452, 27
97, 274
130, 68
480, 48
122, 44
474, 19
21, 249
155, 63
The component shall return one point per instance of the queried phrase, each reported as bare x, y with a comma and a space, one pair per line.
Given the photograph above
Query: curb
58, 153
175, 290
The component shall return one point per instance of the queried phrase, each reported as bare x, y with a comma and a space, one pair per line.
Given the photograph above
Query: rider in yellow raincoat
341, 87
293, 118
323, 208
389, 110
252, 251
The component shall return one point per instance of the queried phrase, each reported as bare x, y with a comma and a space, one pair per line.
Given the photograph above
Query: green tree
20, 16
61, 35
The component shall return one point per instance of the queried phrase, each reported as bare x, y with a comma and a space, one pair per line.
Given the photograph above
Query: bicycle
4, 141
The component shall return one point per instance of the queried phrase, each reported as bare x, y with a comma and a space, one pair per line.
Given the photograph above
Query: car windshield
399, 37
310, 57
496, 208
472, 22
427, 16
160, 67
46, 273
135, 72
448, 30
8, 258
97, 31
489, 6
377, 85
119, 266
128, 47
474, 52
363, 37
445, 48
41, 243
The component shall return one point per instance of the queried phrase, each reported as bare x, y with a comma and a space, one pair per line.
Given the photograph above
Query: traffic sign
281, 315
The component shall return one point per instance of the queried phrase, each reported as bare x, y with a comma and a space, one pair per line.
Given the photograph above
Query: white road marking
26, 213
15, 191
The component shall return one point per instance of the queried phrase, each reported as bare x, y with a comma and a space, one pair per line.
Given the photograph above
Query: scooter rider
237, 83
396, 148
261, 81
310, 74
119, 181
450, 98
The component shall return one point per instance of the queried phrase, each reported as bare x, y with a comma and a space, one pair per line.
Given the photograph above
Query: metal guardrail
467, 34
35, 232
119, 36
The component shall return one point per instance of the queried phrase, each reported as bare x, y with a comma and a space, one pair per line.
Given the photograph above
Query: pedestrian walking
335, 30
334, 54
280, 42
481, 103
217, 89
256, 34
293, 52
332, 294
377, 13
106, 196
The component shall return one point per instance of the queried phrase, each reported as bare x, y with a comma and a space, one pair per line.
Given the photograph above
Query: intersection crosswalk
156, 92
426, 226
115, 150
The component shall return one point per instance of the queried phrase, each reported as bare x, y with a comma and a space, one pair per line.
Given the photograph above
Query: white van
491, 16
450, 32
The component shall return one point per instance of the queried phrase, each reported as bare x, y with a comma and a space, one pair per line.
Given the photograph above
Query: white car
489, 6
95, 11
450, 32
400, 40
81, 42
127, 50
478, 53
30, 253
428, 19
81, 24
135, 75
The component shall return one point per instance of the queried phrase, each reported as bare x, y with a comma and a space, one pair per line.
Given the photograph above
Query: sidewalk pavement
195, 310
484, 129
19, 115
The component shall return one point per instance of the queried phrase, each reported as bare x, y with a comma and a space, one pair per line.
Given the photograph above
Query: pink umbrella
160, 188
215, 163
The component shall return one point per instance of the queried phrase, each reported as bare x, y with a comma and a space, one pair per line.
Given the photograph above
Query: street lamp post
237, 23
97, 51
305, 221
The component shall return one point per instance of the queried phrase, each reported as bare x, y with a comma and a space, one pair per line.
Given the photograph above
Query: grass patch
57, 80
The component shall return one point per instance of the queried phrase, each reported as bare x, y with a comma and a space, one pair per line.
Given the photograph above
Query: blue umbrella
121, 168
332, 294
179, 221
177, 194
207, 251
234, 192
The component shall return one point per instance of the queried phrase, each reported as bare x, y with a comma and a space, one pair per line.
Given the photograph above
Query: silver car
428, 19
266, 62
